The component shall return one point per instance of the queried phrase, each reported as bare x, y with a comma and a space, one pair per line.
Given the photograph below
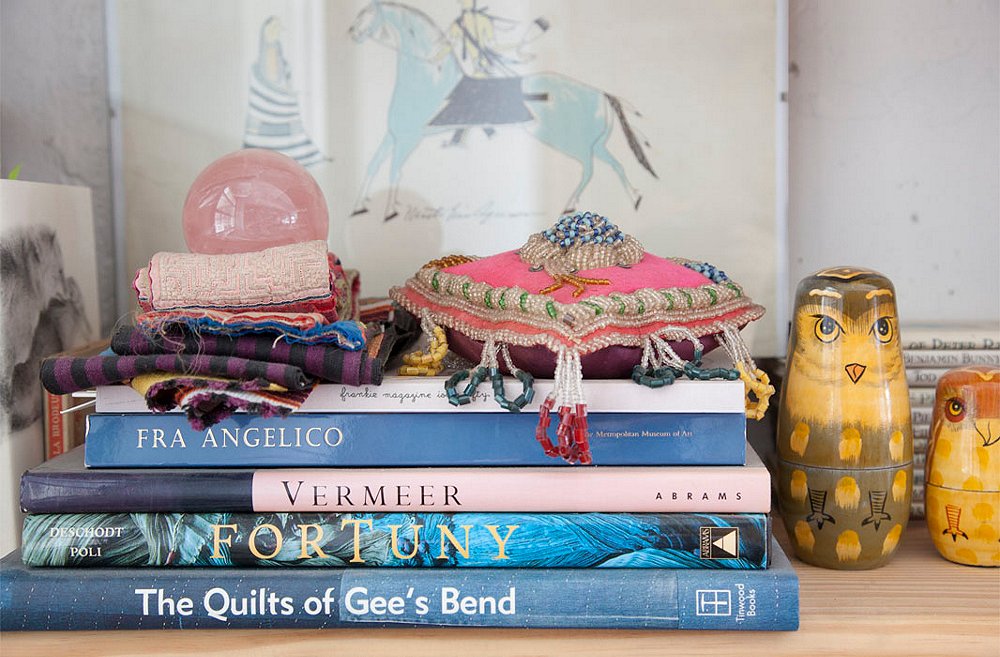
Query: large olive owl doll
844, 436
963, 467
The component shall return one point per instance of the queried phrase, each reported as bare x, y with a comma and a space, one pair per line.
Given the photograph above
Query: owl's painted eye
827, 329
954, 409
882, 329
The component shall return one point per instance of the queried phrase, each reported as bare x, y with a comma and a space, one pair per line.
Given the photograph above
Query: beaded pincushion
579, 299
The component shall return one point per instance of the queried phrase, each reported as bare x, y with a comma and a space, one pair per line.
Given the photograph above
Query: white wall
894, 138
895, 149
54, 119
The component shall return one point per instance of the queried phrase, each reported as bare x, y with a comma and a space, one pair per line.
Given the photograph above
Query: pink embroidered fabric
295, 278
507, 269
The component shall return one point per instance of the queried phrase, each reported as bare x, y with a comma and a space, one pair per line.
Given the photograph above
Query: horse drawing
569, 116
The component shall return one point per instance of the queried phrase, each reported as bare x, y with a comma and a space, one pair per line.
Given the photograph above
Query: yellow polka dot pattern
850, 445
799, 439
848, 494
848, 546
804, 536
799, 485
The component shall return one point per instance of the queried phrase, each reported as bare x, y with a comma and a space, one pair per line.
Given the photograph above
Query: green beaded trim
644, 302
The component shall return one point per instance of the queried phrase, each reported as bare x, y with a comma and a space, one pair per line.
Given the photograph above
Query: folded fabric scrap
66, 374
376, 309
294, 278
307, 328
327, 362
207, 401
348, 284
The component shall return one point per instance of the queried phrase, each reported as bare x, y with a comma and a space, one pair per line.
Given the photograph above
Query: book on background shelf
948, 359
923, 377
65, 429
411, 439
921, 414
922, 397
215, 598
65, 485
421, 394
968, 336
398, 540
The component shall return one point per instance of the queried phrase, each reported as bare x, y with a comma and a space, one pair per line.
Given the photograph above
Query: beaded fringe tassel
757, 383
661, 366
572, 439
489, 368
427, 363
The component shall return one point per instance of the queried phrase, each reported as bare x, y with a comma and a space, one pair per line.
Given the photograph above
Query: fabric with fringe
329, 363
306, 328
206, 401
66, 374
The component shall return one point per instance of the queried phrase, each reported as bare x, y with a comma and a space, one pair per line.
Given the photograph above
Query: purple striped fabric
66, 374
325, 362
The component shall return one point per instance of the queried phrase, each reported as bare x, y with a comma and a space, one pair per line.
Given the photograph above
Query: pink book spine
706, 489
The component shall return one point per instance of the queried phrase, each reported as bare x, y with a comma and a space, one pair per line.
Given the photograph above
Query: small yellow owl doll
844, 436
963, 467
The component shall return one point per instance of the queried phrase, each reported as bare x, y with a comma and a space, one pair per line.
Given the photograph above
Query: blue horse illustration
569, 116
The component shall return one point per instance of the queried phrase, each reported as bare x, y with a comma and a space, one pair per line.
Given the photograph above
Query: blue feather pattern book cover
436, 540
218, 598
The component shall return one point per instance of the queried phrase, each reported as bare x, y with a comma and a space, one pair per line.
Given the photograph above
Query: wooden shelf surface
918, 605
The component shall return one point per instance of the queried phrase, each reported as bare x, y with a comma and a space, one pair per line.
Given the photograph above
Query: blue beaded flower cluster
710, 272
583, 228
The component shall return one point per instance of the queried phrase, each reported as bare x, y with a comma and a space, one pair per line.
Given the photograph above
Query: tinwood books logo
719, 542
714, 602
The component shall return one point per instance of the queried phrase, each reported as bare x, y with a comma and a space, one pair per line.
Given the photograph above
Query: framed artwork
48, 304
444, 126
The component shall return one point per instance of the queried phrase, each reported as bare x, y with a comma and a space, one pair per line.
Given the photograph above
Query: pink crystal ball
251, 200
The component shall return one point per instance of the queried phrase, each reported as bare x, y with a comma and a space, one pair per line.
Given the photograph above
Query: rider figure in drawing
490, 91
445, 84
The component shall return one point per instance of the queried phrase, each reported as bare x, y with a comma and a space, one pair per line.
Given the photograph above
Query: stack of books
930, 350
375, 506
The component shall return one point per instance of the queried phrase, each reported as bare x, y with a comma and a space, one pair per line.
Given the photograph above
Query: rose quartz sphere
252, 200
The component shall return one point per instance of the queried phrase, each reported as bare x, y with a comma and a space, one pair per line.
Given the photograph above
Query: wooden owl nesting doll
963, 467
844, 436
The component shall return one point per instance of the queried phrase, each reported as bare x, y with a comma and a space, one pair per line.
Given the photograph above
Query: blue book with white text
217, 598
410, 440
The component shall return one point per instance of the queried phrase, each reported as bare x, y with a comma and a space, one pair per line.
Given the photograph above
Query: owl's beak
855, 371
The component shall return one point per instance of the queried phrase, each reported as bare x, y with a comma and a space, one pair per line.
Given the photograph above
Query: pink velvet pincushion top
581, 298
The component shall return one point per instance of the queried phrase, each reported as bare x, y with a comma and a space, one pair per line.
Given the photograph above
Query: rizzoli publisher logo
719, 542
